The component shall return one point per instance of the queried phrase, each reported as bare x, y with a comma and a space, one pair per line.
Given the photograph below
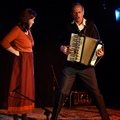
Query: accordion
83, 50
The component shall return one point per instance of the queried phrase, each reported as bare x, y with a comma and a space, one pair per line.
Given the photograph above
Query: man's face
77, 13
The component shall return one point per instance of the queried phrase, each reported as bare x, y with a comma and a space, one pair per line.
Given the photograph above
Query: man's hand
100, 52
65, 49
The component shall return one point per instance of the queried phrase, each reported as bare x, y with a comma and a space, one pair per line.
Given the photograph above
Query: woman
19, 42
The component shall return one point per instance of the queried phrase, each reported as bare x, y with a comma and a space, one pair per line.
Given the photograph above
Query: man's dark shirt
90, 30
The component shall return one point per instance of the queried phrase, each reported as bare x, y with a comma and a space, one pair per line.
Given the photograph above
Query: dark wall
51, 16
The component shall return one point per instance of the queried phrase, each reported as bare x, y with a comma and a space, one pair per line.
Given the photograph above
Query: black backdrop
51, 16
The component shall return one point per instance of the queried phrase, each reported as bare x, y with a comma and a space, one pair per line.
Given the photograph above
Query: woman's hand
12, 50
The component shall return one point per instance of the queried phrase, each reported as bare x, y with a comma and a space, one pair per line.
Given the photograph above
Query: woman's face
31, 22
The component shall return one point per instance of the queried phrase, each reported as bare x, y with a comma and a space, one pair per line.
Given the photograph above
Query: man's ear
83, 13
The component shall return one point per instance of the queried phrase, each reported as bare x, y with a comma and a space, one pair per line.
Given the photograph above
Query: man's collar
83, 23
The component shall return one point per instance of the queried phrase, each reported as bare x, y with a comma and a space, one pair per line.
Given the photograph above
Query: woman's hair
24, 18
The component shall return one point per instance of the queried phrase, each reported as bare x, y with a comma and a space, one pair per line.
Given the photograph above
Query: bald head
77, 4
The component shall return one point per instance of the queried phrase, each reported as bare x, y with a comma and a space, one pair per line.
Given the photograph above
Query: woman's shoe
15, 117
24, 117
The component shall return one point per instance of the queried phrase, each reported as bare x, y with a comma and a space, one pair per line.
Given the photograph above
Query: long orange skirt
21, 101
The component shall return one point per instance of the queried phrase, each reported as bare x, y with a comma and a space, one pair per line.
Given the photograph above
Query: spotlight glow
117, 14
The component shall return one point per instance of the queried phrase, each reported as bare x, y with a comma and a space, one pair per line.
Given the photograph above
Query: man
82, 27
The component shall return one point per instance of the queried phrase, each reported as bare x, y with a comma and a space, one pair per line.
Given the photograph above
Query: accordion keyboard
75, 48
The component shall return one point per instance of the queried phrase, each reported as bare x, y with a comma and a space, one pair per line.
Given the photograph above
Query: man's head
77, 12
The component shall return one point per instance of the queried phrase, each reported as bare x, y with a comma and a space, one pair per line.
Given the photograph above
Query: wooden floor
67, 113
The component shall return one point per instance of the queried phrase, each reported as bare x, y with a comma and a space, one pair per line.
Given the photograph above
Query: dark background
51, 16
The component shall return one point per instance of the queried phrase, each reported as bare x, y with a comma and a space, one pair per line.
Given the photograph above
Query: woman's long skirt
21, 89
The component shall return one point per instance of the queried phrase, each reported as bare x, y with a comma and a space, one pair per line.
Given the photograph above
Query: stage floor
67, 113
